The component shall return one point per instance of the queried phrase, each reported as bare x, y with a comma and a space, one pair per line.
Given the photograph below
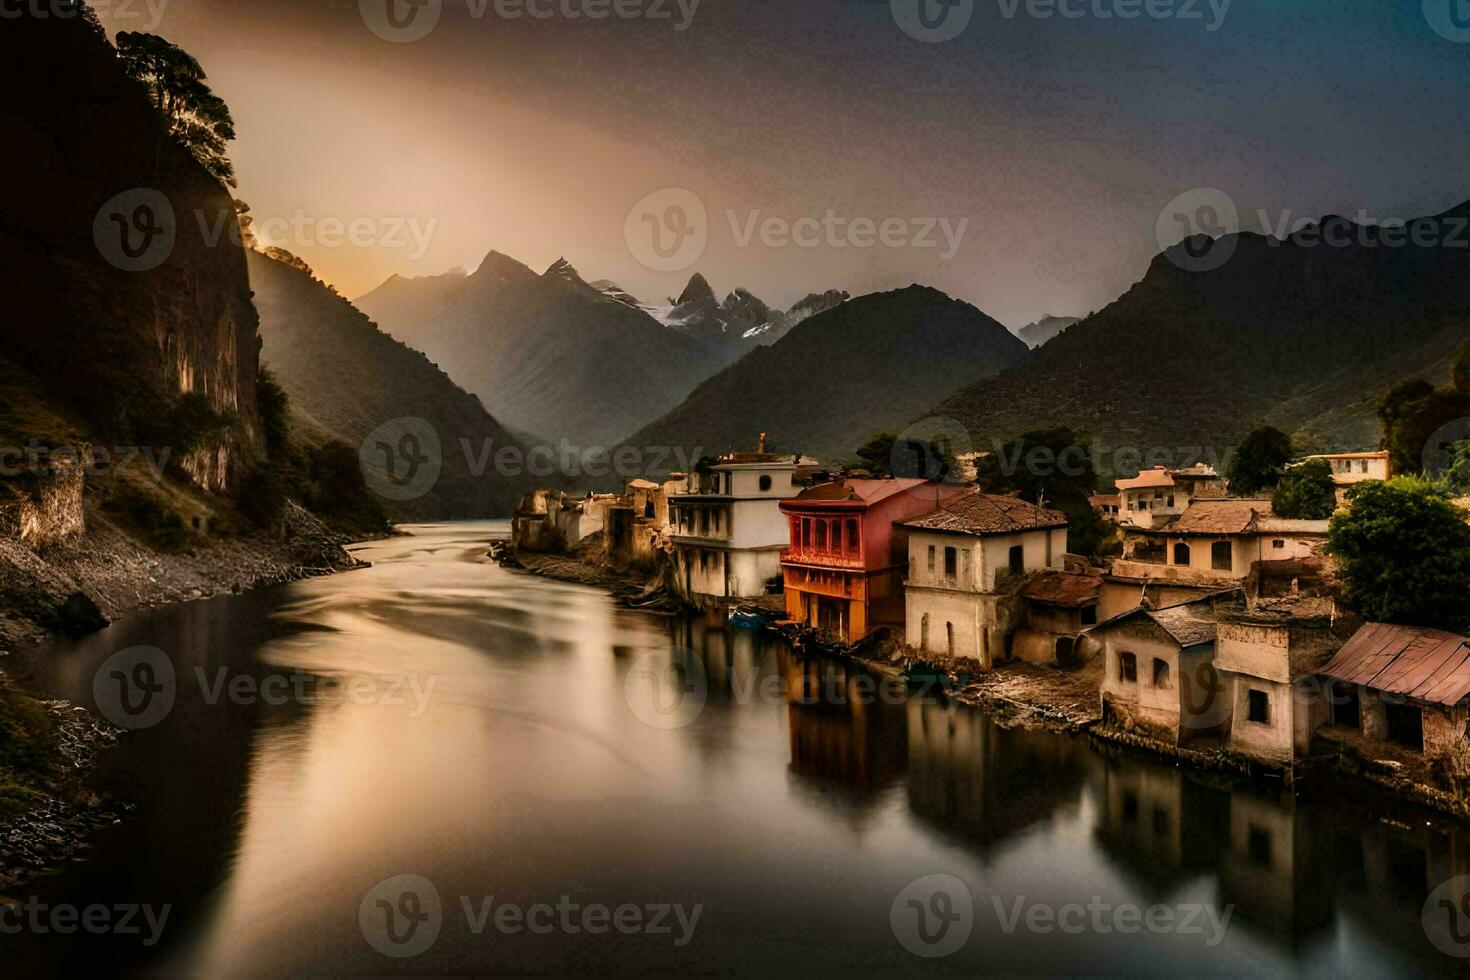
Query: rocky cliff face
43, 505
125, 286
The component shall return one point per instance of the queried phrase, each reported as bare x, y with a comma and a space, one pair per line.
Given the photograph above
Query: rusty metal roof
1424, 664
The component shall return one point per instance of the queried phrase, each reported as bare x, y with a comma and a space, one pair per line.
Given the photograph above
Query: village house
727, 526
552, 521
1215, 544
1350, 469
637, 526
1159, 673
844, 567
1267, 656
961, 560
1403, 686
1107, 504
1158, 496
1056, 608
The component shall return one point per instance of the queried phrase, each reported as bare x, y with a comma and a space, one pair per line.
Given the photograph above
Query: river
438, 766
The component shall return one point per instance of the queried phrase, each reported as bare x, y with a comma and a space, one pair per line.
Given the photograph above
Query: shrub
1306, 492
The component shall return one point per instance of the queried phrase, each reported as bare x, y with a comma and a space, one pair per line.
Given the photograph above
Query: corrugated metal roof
1428, 665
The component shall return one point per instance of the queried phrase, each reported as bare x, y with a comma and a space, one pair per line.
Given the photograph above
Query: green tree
1306, 492
176, 85
1404, 552
1259, 461
1413, 412
876, 455
886, 454
1457, 473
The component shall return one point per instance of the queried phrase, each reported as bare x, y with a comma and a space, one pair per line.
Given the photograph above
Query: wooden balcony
822, 559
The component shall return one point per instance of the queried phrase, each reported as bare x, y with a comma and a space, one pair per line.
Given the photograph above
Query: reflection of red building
845, 567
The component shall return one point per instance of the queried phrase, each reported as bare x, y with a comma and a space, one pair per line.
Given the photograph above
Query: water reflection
797, 801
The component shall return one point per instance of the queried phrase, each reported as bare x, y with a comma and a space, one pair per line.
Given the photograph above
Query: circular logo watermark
1191, 228
666, 693
401, 459
933, 21
1439, 450
934, 916
668, 230
136, 230
1449, 18
401, 21
401, 916
135, 688
929, 449
1446, 917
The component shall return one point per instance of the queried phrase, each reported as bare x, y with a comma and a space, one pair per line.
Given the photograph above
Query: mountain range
1222, 335
345, 378
1047, 328
839, 376
554, 356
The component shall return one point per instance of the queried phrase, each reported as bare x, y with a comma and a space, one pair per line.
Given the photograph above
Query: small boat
750, 617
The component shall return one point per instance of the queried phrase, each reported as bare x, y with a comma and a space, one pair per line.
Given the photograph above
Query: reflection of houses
961, 559
1402, 685
967, 773
1274, 868
1158, 671
846, 728
843, 571
1267, 658
727, 525
1157, 821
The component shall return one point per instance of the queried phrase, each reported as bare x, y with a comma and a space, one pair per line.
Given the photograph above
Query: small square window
1259, 706
1278, 544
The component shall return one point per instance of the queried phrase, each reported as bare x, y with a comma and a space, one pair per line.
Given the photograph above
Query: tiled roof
984, 513
1226, 515
1190, 624
1156, 477
866, 491
1063, 589
1428, 665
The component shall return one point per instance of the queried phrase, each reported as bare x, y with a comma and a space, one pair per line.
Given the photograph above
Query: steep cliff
124, 282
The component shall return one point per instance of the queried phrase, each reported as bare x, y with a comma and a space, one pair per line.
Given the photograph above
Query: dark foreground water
436, 766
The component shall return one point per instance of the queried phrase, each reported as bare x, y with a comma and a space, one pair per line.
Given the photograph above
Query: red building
845, 567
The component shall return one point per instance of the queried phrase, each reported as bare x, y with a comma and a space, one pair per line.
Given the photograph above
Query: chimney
762, 444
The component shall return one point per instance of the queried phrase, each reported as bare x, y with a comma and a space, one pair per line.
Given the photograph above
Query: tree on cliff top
196, 117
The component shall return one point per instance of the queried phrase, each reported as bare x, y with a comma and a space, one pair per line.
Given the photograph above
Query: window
924, 632
1405, 725
951, 562
821, 535
949, 637
1161, 673
1362, 466
1278, 544
836, 535
1181, 554
765, 484
1221, 557
1089, 615
1258, 706
806, 534
852, 536
931, 558
1018, 559
1127, 667
1171, 500
1258, 846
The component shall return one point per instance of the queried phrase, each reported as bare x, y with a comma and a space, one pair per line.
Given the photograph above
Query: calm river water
437, 766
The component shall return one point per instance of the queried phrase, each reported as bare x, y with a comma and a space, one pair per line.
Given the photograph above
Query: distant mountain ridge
841, 375
1046, 329
345, 378
1296, 333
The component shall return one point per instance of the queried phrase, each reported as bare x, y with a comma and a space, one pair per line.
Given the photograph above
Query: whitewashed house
961, 558
727, 526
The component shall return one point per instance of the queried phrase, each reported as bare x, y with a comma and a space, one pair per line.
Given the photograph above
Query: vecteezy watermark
1365, 230
127, 14
136, 230
669, 230
1450, 19
34, 458
937, 21
138, 688
1195, 230
1446, 917
401, 917
934, 917
406, 21
666, 692
124, 919
401, 459
302, 230
1440, 452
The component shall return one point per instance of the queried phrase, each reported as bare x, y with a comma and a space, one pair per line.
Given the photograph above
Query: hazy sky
1047, 146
